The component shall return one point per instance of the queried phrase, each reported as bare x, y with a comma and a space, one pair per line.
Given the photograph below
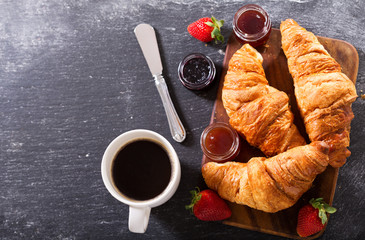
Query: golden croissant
256, 110
324, 94
271, 184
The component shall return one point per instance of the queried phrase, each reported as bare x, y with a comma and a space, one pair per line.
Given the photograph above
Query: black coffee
142, 169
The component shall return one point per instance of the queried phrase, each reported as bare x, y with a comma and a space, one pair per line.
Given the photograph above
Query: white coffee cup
139, 211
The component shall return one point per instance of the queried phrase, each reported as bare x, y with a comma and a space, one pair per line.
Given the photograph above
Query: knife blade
146, 38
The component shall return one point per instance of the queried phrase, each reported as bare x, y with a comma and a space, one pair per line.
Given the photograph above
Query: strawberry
206, 29
313, 217
208, 206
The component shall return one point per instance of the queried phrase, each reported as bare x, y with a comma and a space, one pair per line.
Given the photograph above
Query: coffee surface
141, 170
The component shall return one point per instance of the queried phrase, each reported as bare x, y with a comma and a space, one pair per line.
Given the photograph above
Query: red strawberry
312, 217
206, 29
208, 206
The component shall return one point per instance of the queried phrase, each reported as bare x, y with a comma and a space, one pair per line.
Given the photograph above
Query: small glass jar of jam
220, 142
251, 24
196, 71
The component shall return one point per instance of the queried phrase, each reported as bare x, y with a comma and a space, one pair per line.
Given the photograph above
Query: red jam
196, 71
251, 24
220, 142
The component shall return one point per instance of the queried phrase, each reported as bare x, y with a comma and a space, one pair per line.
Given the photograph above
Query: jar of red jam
220, 142
196, 71
251, 24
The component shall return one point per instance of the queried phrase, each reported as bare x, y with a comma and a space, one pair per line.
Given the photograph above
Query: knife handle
177, 129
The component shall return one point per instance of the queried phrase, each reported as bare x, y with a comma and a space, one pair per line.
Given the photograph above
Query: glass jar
220, 142
196, 71
252, 24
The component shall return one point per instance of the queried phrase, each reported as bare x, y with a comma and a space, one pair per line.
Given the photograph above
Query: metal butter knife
147, 40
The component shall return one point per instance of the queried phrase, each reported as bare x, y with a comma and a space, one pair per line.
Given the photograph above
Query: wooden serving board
282, 223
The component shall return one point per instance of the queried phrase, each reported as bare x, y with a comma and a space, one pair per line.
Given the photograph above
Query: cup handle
138, 219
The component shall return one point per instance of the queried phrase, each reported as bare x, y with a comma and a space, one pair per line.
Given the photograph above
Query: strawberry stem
216, 32
196, 196
323, 208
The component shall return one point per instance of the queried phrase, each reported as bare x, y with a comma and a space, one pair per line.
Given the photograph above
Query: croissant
271, 184
256, 110
324, 94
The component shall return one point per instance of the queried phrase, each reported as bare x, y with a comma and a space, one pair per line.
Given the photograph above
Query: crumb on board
362, 96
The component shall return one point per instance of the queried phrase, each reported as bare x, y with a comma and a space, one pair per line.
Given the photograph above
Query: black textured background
72, 78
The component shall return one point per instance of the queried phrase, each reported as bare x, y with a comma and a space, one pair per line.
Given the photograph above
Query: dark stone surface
72, 78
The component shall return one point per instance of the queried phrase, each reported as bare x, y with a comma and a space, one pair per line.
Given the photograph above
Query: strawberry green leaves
208, 206
216, 32
313, 217
206, 29
323, 208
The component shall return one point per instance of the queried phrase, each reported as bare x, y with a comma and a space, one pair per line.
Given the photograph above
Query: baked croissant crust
256, 110
271, 184
324, 94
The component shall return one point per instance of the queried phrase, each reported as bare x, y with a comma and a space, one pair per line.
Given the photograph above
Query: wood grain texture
282, 223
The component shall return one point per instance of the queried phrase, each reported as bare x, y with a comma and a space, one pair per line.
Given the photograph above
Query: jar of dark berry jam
196, 71
220, 142
251, 24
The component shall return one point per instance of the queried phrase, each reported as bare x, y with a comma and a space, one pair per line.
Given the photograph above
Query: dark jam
196, 71
251, 24
220, 143
141, 170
